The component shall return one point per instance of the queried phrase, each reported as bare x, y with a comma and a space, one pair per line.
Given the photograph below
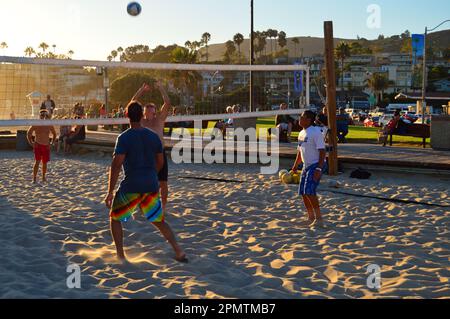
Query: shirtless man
155, 121
41, 144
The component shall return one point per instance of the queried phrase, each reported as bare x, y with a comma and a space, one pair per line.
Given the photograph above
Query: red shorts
42, 153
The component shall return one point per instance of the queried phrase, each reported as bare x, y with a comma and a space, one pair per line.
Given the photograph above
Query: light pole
252, 54
424, 79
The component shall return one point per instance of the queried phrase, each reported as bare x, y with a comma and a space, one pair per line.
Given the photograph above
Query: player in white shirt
312, 153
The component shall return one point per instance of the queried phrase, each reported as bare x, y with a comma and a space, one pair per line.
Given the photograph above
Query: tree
296, 42
406, 46
230, 51
274, 35
238, 40
196, 45
43, 46
137, 53
271, 33
356, 48
188, 44
206, 37
114, 54
120, 52
70, 53
405, 35
109, 58
54, 48
3, 46
124, 87
343, 52
381, 37
29, 51
282, 39
260, 42
186, 80
378, 83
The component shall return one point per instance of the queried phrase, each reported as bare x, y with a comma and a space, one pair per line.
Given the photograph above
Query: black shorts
74, 140
163, 175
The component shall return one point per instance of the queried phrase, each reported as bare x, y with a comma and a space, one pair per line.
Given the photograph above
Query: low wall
440, 132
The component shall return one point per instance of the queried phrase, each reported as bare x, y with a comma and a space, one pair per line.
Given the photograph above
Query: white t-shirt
310, 142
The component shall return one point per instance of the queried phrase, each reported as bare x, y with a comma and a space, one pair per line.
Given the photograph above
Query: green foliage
124, 88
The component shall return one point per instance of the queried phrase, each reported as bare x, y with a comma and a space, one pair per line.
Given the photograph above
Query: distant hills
315, 46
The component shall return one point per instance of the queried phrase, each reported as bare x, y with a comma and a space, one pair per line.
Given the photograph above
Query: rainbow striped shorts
126, 204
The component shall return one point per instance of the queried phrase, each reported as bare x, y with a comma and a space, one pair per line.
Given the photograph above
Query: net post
331, 96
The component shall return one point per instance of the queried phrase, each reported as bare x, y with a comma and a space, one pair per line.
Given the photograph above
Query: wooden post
331, 97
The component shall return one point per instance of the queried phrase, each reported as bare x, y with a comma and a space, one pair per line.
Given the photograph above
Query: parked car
372, 122
385, 119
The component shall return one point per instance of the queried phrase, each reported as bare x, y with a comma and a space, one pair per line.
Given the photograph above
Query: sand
244, 240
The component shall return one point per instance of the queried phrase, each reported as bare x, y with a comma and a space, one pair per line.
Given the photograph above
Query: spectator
48, 105
76, 135
64, 133
322, 118
78, 110
222, 125
284, 123
103, 113
343, 120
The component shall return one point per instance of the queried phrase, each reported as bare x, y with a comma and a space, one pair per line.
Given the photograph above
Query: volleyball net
96, 93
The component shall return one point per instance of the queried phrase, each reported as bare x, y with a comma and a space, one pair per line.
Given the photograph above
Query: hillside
313, 45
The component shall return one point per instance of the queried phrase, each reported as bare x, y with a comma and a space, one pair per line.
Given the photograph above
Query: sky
92, 28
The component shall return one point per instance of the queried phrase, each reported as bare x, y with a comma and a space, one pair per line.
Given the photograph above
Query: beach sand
244, 240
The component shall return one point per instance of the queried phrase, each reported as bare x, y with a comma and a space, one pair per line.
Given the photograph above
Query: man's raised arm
167, 106
145, 88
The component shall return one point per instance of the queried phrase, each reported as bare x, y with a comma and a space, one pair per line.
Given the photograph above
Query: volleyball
134, 9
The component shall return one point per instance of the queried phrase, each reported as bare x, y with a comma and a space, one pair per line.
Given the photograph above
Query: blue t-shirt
140, 147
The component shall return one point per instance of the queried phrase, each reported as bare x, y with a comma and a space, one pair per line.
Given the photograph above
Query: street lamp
424, 80
252, 54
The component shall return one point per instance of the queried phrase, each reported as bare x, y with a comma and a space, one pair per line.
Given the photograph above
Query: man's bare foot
122, 258
181, 258
319, 223
307, 223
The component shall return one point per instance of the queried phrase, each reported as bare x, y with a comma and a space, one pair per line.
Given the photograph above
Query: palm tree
282, 39
275, 36
378, 83
54, 48
238, 39
260, 43
120, 51
206, 37
343, 52
29, 51
109, 58
70, 54
44, 46
296, 42
196, 45
114, 54
188, 44
186, 80
3, 46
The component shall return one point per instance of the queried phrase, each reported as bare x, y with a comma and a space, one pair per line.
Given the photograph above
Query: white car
385, 119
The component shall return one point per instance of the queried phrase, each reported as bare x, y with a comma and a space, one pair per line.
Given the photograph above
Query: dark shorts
163, 175
307, 184
73, 140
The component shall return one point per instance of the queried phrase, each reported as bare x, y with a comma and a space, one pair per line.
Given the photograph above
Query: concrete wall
440, 132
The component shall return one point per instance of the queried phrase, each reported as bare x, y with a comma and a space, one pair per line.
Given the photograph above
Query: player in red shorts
41, 144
